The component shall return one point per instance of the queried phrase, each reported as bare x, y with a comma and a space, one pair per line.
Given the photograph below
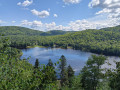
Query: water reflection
75, 58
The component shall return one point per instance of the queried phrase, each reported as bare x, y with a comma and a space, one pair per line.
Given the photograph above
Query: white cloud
71, 1
19, 3
77, 25
1, 22
89, 24
25, 3
13, 21
31, 24
108, 16
105, 10
55, 15
39, 25
41, 14
111, 7
26, 22
50, 26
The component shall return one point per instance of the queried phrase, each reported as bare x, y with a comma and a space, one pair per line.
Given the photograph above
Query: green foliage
63, 62
70, 75
105, 41
36, 64
16, 74
70, 71
20, 75
115, 78
50, 63
63, 73
51, 69
91, 73
15, 30
55, 32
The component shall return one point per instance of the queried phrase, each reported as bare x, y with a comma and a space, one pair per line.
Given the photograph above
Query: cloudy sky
66, 15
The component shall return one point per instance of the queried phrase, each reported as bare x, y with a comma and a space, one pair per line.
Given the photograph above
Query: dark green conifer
63, 73
51, 69
70, 75
70, 72
36, 63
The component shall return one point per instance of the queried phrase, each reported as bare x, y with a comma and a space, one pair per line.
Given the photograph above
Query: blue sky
60, 14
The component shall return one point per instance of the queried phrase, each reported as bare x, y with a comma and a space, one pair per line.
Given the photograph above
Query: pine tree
50, 68
50, 63
63, 73
70, 72
36, 64
63, 62
70, 75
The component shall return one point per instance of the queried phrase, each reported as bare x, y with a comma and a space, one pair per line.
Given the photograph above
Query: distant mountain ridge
16, 30
104, 41
115, 29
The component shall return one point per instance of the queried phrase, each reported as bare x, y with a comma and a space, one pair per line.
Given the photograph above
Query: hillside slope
105, 41
15, 30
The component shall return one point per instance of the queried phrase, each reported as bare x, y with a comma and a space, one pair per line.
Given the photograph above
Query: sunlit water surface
75, 58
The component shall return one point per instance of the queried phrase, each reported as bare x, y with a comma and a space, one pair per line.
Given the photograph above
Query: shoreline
69, 47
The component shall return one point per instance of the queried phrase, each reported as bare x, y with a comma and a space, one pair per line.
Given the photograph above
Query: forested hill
16, 30
104, 41
19, 74
115, 29
55, 32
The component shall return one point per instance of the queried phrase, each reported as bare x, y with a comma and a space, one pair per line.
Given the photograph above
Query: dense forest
15, 30
17, 74
104, 41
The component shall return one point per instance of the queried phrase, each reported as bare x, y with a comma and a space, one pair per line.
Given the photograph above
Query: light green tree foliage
91, 74
16, 74
49, 72
104, 41
114, 78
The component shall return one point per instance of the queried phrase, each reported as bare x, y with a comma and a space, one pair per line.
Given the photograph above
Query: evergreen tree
50, 68
50, 63
70, 72
70, 75
63, 62
36, 64
63, 73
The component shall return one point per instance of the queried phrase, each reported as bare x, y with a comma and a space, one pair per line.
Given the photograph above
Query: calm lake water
75, 58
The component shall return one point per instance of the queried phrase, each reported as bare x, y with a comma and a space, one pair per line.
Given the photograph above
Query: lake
75, 58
